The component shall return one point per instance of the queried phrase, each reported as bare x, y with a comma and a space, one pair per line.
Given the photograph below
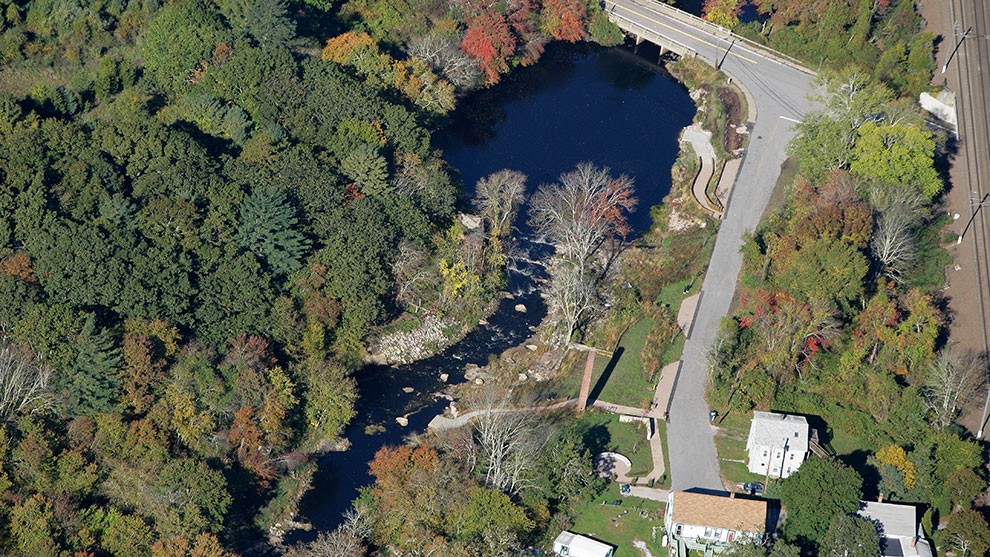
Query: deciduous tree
968, 533
820, 490
498, 197
490, 41
564, 19
25, 384
951, 382
850, 536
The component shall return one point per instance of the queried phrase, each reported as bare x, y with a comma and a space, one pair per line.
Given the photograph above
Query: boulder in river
532, 347
521, 308
470, 222
402, 420
444, 377
471, 371
479, 381
408, 389
482, 322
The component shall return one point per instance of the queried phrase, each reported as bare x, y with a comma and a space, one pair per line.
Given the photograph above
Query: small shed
576, 545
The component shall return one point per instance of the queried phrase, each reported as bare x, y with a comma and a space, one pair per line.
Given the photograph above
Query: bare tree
347, 540
586, 207
952, 381
444, 55
498, 197
509, 440
893, 241
573, 296
413, 273
24, 383
581, 212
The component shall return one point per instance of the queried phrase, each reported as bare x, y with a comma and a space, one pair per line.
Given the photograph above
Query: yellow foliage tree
895, 456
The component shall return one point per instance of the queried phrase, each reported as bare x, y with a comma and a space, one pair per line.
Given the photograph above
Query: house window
792, 456
709, 531
764, 453
788, 469
795, 434
677, 529
732, 535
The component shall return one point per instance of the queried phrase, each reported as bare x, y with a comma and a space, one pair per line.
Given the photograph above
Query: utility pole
979, 206
958, 44
983, 419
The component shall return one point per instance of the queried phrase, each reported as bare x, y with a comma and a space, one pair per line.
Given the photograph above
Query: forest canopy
205, 209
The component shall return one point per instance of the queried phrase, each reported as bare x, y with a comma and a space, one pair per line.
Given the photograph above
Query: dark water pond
610, 107
580, 103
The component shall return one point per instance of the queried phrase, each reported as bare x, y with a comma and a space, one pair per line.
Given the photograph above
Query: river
579, 103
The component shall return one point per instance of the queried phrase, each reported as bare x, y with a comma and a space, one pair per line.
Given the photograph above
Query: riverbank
664, 267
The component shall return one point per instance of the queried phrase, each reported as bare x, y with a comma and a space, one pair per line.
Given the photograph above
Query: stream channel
611, 107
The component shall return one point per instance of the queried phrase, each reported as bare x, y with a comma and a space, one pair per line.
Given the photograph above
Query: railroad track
973, 104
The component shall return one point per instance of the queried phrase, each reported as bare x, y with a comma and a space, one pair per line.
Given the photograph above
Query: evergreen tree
268, 228
265, 20
93, 384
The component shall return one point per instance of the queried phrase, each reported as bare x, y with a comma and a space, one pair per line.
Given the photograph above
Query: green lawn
604, 432
627, 384
620, 526
730, 453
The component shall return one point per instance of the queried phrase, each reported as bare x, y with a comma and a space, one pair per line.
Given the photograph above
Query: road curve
779, 90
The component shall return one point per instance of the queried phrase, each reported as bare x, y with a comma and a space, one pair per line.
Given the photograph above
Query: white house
709, 523
777, 442
576, 545
900, 532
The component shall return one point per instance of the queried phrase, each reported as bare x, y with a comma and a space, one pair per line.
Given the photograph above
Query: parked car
753, 488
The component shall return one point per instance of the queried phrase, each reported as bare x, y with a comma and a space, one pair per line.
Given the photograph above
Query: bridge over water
776, 86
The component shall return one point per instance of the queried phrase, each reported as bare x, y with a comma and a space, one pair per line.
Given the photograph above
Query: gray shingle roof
898, 521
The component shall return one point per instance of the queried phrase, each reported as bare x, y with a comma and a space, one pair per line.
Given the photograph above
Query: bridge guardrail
647, 31
723, 33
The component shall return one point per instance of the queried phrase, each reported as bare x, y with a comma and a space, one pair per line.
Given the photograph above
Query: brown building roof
719, 512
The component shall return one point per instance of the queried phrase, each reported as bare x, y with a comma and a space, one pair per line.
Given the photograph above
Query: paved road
780, 93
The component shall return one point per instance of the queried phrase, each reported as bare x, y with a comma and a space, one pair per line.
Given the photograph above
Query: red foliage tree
143, 371
564, 19
252, 451
248, 351
490, 41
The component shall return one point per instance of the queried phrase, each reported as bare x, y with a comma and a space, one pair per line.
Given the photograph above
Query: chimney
732, 495
880, 498
783, 417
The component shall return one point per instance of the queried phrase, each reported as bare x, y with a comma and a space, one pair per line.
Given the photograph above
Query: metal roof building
576, 545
